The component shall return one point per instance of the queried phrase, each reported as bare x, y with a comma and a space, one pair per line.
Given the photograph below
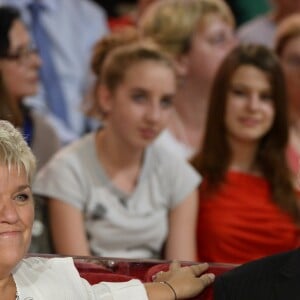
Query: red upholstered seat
95, 277
87, 267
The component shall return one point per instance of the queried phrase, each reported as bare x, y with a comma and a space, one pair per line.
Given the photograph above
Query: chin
11, 257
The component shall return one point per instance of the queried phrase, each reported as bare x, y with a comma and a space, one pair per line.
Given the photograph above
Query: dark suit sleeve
219, 288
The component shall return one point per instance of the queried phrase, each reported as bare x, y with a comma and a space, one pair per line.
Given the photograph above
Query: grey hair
14, 151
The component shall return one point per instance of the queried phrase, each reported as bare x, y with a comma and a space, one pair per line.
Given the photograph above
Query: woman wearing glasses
19, 66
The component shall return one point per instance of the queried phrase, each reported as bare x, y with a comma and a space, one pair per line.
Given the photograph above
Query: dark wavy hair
214, 158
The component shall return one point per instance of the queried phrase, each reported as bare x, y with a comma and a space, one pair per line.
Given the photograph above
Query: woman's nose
153, 113
254, 102
36, 59
8, 212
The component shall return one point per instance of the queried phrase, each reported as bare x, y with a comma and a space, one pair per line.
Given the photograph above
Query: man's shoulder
267, 266
254, 278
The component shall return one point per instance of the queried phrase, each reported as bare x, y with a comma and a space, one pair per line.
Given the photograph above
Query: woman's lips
9, 234
148, 133
249, 122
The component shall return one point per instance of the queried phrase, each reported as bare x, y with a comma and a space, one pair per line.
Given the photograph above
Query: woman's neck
8, 288
244, 157
188, 122
122, 164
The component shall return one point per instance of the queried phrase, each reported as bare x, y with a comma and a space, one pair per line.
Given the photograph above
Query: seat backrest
96, 277
95, 273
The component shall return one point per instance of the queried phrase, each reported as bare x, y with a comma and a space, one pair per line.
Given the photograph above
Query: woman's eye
22, 197
139, 98
218, 39
266, 97
238, 92
167, 102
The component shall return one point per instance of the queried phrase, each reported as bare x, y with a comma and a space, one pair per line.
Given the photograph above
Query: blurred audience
248, 205
114, 193
197, 34
70, 28
287, 46
262, 29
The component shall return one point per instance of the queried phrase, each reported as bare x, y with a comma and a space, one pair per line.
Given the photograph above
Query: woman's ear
181, 65
104, 97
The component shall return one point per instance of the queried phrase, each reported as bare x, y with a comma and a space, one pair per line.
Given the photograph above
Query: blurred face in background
140, 106
19, 68
211, 42
250, 106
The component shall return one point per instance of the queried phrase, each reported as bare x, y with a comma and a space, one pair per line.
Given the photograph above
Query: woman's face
290, 59
250, 112
16, 216
140, 107
211, 43
19, 70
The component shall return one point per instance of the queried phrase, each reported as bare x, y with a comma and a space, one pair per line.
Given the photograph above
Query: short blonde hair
172, 23
288, 29
14, 151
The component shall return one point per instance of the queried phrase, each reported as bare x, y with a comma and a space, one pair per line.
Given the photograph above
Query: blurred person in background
19, 66
64, 33
19, 77
262, 29
113, 192
197, 34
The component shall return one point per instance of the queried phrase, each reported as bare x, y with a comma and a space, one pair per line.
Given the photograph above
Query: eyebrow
23, 187
146, 90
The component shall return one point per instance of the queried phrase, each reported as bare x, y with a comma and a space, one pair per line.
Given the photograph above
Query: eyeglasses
21, 56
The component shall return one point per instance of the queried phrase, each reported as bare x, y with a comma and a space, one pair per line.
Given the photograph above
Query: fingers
175, 265
206, 280
199, 269
176, 269
157, 276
